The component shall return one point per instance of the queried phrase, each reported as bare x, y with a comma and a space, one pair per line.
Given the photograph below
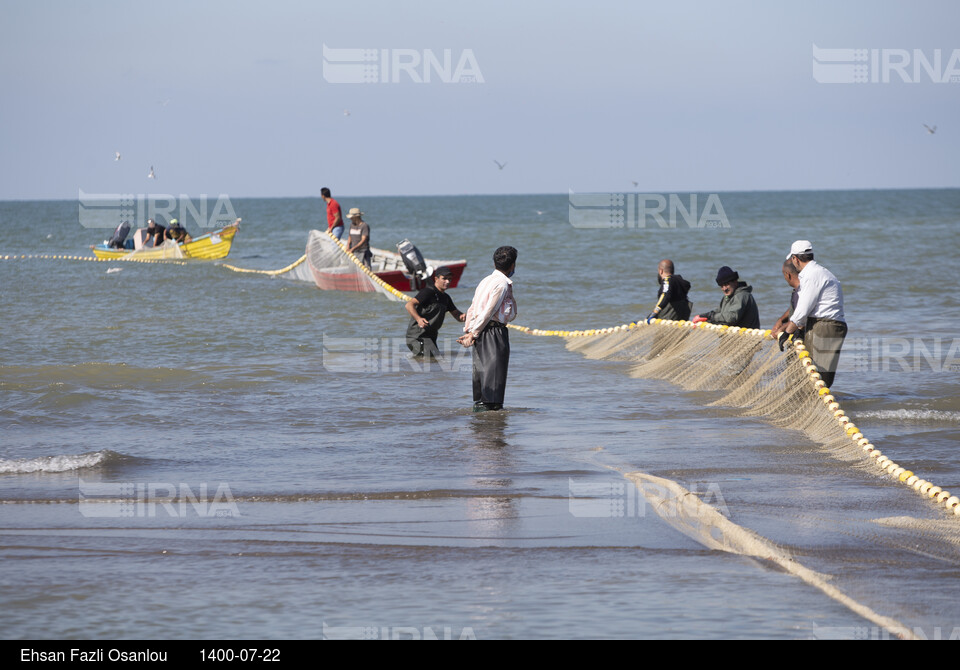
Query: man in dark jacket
672, 300
427, 311
737, 309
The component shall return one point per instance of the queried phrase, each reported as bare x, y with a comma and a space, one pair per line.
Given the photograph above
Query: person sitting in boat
427, 311
178, 233
173, 232
359, 241
155, 234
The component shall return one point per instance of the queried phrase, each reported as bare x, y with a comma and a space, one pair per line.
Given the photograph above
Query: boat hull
206, 247
389, 264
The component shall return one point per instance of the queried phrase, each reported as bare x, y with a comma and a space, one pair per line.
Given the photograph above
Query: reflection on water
490, 452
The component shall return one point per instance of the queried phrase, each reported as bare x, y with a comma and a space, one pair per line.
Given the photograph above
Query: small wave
66, 463
912, 415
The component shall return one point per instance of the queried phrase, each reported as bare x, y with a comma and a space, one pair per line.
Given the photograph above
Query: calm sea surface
304, 479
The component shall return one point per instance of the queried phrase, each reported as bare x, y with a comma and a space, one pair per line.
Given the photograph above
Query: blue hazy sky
230, 97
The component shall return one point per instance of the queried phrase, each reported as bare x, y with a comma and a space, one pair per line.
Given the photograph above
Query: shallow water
286, 494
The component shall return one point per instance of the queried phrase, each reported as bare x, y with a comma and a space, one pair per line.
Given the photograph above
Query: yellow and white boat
211, 246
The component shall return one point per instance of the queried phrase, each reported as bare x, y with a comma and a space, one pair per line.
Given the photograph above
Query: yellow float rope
885, 463
266, 272
60, 257
379, 282
817, 387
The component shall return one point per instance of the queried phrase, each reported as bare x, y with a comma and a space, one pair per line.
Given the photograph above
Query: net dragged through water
784, 388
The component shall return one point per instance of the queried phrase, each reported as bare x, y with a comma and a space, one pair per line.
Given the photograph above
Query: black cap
444, 271
725, 275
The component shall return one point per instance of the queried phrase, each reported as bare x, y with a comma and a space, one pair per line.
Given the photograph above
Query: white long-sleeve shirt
492, 301
819, 295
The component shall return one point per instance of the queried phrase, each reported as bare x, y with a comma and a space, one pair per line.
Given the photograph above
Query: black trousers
491, 357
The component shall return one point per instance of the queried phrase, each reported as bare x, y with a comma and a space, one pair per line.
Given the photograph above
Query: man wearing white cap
819, 311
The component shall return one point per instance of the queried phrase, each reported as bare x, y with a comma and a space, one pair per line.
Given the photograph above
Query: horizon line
469, 195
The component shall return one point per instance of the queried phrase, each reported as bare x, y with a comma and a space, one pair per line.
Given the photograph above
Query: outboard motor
413, 259
119, 236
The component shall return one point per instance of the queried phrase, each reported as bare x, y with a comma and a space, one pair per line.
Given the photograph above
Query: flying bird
498, 164
539, 213
152, 175
929, 129
635, 183
117, 154
346, 112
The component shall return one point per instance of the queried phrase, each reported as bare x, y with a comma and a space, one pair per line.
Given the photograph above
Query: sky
237, 98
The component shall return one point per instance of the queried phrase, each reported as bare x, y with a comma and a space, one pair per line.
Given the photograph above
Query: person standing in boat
427, 311
334, 216
485, 330
359, 241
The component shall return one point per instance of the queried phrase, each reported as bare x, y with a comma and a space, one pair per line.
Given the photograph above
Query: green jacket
738, 309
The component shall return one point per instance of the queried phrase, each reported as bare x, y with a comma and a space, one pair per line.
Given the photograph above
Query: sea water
189, 452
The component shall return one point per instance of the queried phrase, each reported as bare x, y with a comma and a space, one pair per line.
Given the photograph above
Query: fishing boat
211, 246
333, 269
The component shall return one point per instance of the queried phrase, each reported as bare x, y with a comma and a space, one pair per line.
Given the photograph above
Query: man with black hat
737, 309
427, 311
819, 311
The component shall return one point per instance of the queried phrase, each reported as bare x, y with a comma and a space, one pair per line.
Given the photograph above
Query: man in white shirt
819, 311
485, 329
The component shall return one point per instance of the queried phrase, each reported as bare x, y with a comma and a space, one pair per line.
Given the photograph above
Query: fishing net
847, 536
168, 250
330, 267
752, 375
755, 375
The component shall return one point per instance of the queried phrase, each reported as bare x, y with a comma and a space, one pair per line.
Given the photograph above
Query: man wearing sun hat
359, 241
819, 311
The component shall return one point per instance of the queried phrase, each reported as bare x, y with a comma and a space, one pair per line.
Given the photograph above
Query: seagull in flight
539, 213
117, 154
929, 129
152, 175
499, 165
346, 112
635, 184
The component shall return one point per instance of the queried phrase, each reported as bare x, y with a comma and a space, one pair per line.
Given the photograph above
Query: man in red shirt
334, 216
